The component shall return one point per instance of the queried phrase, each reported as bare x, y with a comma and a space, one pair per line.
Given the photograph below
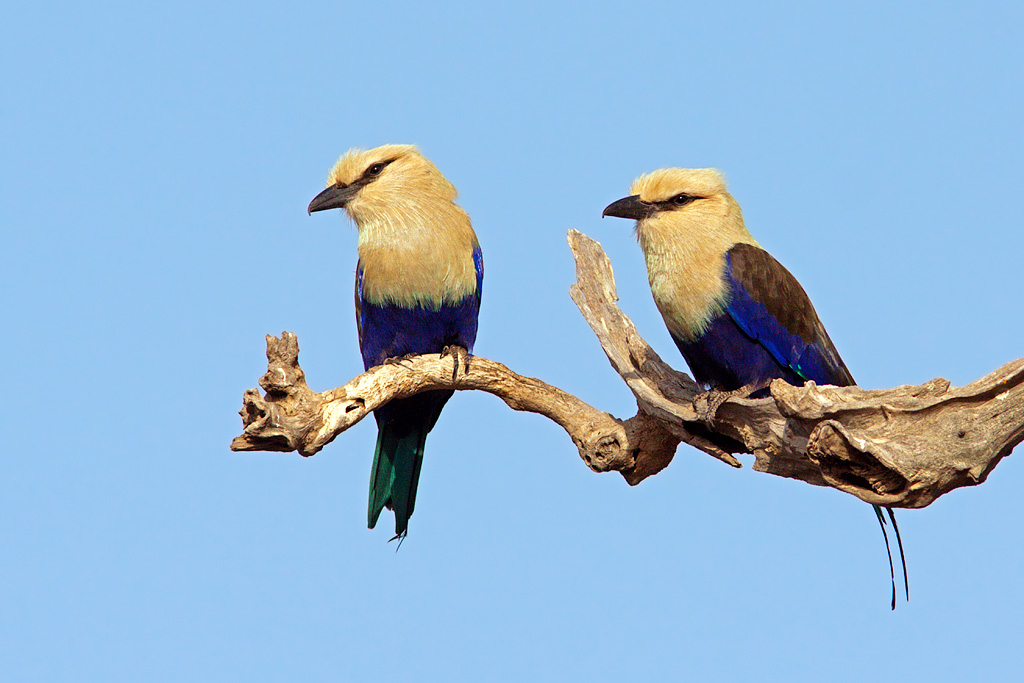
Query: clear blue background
157, 164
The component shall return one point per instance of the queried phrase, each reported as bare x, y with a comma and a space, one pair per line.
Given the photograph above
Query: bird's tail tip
888, 551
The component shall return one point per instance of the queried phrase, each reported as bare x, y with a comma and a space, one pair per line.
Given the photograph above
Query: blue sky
158, 163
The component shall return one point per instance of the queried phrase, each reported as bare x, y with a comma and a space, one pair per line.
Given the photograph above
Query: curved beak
334, 197
629, 207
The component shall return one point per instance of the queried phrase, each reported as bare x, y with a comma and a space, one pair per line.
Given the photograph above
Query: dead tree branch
901, 447
291, 417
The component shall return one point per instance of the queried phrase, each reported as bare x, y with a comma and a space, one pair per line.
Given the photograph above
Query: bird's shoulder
766, 296
770, 284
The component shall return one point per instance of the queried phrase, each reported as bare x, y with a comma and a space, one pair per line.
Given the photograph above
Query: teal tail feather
396, 473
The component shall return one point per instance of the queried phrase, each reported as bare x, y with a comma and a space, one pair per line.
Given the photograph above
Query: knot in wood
854, 464
605, 450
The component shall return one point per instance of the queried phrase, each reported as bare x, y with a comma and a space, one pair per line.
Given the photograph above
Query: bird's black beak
334, 197
629, 207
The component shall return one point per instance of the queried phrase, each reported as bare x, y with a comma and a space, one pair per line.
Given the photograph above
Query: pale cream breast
411, 260
686, 277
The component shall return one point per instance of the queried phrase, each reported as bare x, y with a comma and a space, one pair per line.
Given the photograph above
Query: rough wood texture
291, 417
901, 447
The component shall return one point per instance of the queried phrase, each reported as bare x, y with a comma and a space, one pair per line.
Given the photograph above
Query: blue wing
768, 330
770, 307
478, 264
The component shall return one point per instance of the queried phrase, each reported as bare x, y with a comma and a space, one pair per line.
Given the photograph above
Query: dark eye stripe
680, 200
375, 169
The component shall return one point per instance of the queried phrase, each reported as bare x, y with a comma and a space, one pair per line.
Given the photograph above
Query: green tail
396, 473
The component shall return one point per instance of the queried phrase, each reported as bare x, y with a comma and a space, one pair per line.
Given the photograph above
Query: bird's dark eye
682, 199
375, 169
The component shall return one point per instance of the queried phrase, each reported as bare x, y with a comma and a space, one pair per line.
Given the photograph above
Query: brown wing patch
769, 283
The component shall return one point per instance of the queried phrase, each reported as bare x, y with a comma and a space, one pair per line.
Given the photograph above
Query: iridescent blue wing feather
768, 304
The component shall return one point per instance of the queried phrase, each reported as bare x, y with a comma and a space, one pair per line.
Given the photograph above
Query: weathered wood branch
291, 417
901, 447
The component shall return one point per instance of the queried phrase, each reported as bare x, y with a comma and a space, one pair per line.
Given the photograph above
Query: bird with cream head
419, 279
739, 318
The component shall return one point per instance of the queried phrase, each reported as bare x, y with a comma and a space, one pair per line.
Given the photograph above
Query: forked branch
901, 447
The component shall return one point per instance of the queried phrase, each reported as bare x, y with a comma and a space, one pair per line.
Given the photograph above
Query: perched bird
418, 284
737, 315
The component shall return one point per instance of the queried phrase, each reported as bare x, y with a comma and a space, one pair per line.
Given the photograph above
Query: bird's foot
460, 356
399, 360
716, 397
752, 390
